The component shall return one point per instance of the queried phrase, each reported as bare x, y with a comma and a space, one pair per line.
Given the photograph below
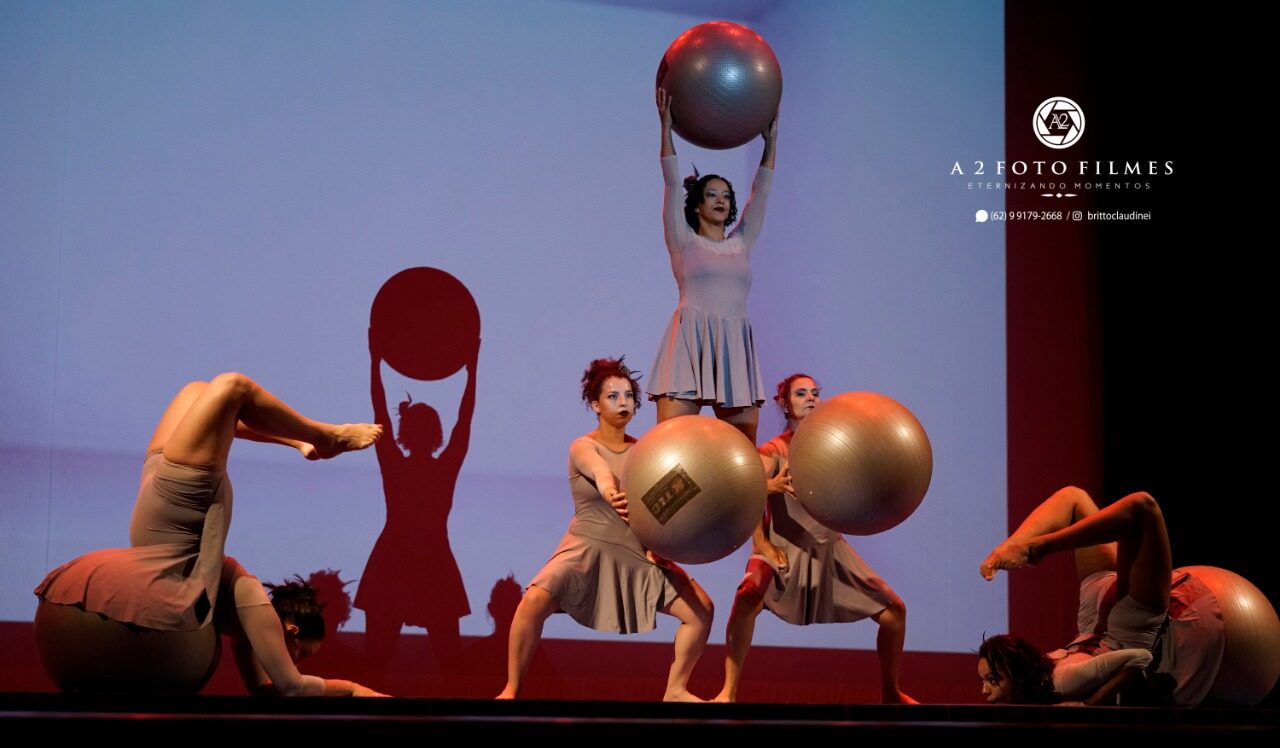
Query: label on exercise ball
670, 494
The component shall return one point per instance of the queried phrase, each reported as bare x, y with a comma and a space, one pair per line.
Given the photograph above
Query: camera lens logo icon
1058, 122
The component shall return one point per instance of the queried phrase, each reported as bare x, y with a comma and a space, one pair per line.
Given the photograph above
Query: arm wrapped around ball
778, 482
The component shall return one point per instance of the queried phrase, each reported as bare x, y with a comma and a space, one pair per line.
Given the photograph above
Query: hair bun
292, 589
692, 180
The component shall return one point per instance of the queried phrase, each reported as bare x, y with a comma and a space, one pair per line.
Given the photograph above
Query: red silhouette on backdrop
336, 656
486, 658
425, 325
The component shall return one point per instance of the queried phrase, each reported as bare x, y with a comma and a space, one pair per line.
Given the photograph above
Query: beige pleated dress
168, 580
599, 574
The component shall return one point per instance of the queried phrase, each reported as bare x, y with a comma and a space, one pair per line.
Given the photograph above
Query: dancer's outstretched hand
664, 108
618, 500
781, 483
770, 132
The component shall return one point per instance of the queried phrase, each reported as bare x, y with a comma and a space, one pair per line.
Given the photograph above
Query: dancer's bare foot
681, 694
348, 437
898, 697
506, 695
309, 451
724, 697
1011, 554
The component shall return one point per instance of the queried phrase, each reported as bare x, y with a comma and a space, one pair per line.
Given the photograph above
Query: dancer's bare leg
174, 413
669, 407
183, 401
738, 633
1064, 508
308, 451
745, 420
1135, 522
526, 632
203, 435
1145, 566
889, 641
694, 610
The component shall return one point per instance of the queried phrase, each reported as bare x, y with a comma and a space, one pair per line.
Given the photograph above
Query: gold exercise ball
695, 489
860, 463
90, 653
1251, 633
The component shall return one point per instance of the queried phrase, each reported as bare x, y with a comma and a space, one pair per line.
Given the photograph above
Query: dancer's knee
536, 606
704, 609
753, 585
192, 390
1144, 505
895, 610
1082, 504
233, 384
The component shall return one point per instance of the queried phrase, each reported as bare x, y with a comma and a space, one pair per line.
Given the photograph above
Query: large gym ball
424, 323
90, 653
860, 463
1251, 631
695, 489
725, 84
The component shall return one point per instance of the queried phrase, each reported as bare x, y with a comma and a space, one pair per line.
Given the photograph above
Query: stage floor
219, 717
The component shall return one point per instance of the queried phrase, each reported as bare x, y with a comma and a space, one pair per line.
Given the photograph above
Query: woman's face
995, 687
804, 397
715, 202
617, 403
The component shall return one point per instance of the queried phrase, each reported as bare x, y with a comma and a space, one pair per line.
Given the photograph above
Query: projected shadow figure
425, 325
486, 657
336, 656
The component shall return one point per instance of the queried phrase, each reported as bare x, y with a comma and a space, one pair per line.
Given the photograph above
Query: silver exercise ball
89, 653
861, 463
725, 84
695, 489
1251, 650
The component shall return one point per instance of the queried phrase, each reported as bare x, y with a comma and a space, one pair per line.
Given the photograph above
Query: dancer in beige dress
175, 577
708, 351
600, 574
805, 573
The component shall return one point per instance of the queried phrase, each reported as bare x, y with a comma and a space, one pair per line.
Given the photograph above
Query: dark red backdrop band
1053, 337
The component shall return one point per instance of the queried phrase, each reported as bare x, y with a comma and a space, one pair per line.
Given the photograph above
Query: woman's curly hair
295, 602
600, 370
1029, 671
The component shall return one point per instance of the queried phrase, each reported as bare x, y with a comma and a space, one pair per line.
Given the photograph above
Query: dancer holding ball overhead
708, 355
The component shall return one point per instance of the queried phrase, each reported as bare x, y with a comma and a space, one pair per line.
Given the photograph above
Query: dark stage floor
220, 717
